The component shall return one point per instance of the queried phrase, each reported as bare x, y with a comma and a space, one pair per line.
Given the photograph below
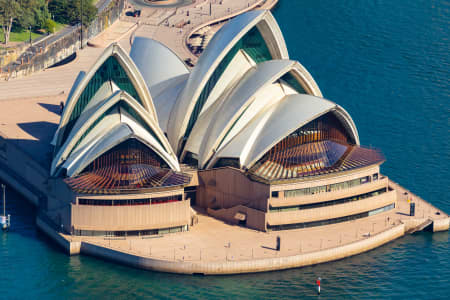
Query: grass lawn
25, 35
59, 26
19, 36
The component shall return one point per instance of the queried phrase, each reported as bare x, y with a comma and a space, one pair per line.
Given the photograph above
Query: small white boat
5, 222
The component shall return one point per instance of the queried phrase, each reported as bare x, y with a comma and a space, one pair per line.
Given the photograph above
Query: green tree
59, 10
69, 12
50, 26
10, 10
34, 14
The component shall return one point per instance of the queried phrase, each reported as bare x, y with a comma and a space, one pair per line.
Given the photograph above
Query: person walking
318, 285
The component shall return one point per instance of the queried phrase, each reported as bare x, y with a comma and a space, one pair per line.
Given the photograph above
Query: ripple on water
387, 63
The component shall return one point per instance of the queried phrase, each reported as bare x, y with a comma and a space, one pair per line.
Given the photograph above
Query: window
375, 176
254, 45
275, 194
121, 202
330, 221
328, 203
327, 188
110, 70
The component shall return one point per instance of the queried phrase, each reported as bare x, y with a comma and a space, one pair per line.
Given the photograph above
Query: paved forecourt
214, 247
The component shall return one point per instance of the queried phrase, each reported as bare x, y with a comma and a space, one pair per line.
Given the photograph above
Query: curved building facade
246, 134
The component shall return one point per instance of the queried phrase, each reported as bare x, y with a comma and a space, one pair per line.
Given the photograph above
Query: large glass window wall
122, 202
326, 188
254, 45
111, 70
124, 234
328, 203
330, 221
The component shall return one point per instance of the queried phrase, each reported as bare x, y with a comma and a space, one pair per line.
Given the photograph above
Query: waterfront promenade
29, 105
214, 247
30, 113
55, 81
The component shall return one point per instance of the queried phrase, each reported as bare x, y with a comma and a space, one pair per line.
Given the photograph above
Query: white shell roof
132, 72
165, 101
217, 49
157, 63
273, 124
248, 111
116, 130
92, 113
249, 97
264, 74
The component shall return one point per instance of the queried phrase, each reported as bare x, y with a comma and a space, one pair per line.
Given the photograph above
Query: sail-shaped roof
117, 128
256, 33
242, 99
114, 65
275, 123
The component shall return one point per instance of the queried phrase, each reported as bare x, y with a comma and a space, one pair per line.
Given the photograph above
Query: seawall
244, 266
22, 172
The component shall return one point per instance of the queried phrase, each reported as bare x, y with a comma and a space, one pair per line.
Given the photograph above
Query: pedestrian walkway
52, 81
114, 33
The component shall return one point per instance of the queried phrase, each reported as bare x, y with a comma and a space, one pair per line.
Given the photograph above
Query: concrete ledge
72, 248
412, 223
244, 266
441, 225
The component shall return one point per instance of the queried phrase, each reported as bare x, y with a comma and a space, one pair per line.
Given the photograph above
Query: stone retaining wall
45, 55
72, 248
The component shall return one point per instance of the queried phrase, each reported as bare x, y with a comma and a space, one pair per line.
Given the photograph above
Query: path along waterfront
201, 244
53, 82
213, 247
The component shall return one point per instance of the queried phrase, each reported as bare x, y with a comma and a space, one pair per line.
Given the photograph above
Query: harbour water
388, 64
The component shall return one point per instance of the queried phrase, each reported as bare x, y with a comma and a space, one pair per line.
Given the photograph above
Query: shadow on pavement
54, 108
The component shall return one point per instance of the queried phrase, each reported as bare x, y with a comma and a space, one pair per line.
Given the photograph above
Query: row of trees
69, 11
20, 15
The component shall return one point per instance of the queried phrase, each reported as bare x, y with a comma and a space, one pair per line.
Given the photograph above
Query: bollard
412, 209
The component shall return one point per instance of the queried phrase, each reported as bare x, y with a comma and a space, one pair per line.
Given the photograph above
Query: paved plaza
30, 113
213, 240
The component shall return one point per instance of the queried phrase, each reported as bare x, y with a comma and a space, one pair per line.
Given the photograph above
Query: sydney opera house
244, 136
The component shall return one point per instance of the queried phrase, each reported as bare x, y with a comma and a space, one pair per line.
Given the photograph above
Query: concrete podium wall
321, 197
332, 211
133, 217
228, 187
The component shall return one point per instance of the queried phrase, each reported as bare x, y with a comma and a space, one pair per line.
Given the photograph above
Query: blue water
387, 63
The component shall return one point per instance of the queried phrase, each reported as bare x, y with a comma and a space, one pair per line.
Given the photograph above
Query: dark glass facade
110, 70
254, 45
330, 221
